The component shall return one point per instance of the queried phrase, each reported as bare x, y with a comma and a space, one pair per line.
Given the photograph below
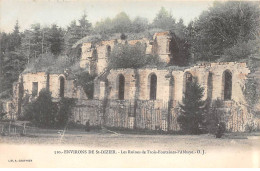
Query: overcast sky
62, 12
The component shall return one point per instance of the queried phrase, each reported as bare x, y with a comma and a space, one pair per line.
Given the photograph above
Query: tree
15, 41
76, 32
179, 46
121, 23
192, 110
104, 27
12, 62
223, 26
164, 20
139, 24
84, 26
35, 41
55, 39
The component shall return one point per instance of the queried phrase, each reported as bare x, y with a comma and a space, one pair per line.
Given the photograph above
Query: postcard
129, 84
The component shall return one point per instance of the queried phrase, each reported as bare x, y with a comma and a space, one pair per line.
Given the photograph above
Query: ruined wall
161, 45
113, 82
239, 72
163, 84
86, 53
29, 78
156, 114
51, 81
95, 55
88, 110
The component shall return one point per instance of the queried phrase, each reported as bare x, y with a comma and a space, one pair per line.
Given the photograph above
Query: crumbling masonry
145, 98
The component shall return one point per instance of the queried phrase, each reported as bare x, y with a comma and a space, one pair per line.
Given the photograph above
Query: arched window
210, 85
62, 86
171, 89
121, 87
108, 50
153, 87
227, 88
188, 78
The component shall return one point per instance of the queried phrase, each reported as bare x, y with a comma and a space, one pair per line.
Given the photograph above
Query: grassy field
106, 138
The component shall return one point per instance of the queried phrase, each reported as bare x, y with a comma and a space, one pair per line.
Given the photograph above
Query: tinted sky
62, 12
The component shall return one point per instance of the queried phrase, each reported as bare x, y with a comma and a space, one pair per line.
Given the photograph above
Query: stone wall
164, 89
88, 110
50, 81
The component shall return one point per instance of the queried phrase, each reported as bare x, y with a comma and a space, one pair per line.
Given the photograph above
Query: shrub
44, 112
41, 111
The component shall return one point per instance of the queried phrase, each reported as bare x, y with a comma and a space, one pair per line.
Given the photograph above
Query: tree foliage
55, 39
12, 62
76, 32
121, 23
192, 110
222, 27
164, 20
130, 56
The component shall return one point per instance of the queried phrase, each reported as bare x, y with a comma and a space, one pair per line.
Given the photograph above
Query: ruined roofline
183, 68
116, 36
43, 71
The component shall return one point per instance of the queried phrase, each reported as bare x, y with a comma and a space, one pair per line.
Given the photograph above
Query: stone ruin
144, 98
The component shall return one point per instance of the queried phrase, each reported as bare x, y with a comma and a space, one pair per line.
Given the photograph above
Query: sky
62, 12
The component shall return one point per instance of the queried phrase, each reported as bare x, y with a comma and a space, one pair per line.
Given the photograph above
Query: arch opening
62, 86
210, 86
108, 51
227, 81
188, 78
121, 87
153, 87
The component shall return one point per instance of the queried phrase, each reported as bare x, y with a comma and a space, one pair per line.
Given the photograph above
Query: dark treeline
227, 31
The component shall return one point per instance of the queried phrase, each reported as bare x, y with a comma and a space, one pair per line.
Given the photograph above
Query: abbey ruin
144, 98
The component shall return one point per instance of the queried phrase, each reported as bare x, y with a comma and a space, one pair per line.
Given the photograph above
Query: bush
86, 81
64, 112
43, 112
